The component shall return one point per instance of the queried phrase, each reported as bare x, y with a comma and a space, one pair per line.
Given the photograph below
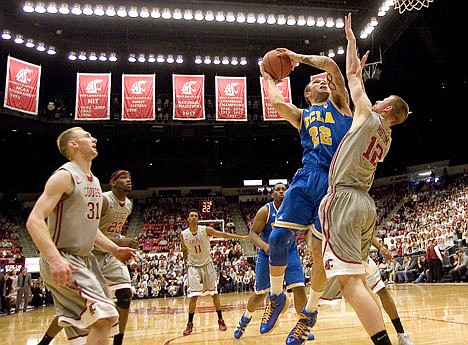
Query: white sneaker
404, 339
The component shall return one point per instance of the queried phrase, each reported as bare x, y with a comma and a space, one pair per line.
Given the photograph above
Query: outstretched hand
292, 55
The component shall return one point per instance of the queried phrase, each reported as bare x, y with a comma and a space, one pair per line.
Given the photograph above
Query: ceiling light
234, 61
133, 12
320, 22
141, 58
225, 60
177, 14
199, 15
110, 11
72, 56
374, 21
30, 43
82, 56
132, 58
340, 50
40, 47
63, 9
301, 21
209, 16
113, 57
51, 50
166, 14
122, 11
52, 8
179, 59
40, 7
155, 13
251, 18
160, 58
291, 20
330, 22
207, 60
188, 15
310, 21
170, 59
19, 39
6, 34
230, 17
331, 53
243, 61
220, 17
151, 58
28, 7
92, 56
281, 20
198, 59
76, 10
260, 61
99, 10
271, 19
240, 17
144, 13
369, 29
102, 57
261, 19
216, 60
363, 35
339, 23
87, 10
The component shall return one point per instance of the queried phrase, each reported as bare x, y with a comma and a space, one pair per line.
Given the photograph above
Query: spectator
458, 273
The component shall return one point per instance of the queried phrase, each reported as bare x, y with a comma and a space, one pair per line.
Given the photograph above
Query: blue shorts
299, 209
294, 275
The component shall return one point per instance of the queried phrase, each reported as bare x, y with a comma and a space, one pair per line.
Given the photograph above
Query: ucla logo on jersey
24, 75
138, 87
93, 86
231, 89
188, 88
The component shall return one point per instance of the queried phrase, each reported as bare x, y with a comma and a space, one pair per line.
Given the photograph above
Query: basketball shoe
189, 328
222, 325
404, 339
301, 331
240, 329
276, 305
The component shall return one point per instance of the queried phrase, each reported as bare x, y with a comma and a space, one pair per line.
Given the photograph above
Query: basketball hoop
408, 5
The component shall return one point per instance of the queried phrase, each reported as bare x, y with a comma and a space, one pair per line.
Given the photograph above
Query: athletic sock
46, 340
313, 301
118, 338
276, 284
248, 314
398, 326
381, 338
190, 317
220, 314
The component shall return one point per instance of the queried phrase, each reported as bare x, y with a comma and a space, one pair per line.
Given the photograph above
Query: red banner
189, 97
269, 113
231, 98
93, 96
138, 97
22, 86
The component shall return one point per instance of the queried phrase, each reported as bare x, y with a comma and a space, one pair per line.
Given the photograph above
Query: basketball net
408, 5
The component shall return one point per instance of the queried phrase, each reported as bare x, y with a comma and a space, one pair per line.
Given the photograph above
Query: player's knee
280, 237
124, 297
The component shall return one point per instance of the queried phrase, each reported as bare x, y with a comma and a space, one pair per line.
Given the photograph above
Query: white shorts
202, 280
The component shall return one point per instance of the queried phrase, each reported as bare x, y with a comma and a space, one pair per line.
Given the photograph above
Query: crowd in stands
427, 236
10, 250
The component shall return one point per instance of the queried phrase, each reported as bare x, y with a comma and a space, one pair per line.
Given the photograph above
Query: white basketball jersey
198, 246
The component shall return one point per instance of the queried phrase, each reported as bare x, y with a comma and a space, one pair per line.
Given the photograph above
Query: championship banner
231, 98
319, 76
269, 113
138, 97
93, 96
22, 86
188, 97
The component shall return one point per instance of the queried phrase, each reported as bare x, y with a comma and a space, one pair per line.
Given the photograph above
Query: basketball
278, 67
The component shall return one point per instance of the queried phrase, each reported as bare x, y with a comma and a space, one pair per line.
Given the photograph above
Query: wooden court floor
434, 314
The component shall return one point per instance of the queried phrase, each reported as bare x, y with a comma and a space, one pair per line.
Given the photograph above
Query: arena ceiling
418, 54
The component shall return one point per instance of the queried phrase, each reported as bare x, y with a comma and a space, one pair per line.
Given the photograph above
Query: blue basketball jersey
265, 234
322, 128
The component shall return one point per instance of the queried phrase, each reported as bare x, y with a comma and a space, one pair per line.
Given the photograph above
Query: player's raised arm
354, 68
